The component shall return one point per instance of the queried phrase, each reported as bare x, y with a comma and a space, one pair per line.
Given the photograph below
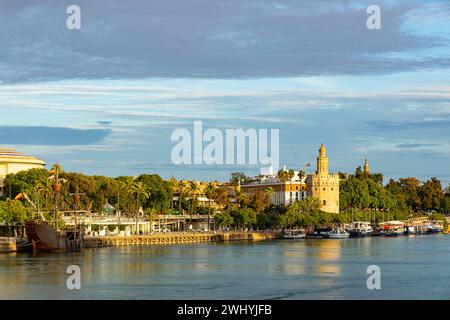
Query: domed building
12, 161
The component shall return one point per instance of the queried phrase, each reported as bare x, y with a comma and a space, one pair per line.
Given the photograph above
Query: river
411, 268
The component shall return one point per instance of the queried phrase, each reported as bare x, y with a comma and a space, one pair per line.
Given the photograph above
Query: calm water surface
411, 268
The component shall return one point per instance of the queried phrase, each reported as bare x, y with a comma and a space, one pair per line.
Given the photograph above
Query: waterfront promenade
175, 238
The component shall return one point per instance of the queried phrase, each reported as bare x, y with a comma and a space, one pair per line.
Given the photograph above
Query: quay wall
8, 244
174, 238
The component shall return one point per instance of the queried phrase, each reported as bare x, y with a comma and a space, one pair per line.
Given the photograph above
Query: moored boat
361, 229
294, 234
338, 234
392, 228
318, 234
43, 237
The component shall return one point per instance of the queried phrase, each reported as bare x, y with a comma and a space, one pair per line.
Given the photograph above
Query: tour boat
294, 234
361, 229
392, 228
338, 234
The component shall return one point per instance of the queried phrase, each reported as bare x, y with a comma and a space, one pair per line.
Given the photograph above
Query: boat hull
360, 234
44, 238
302, 236
338, 236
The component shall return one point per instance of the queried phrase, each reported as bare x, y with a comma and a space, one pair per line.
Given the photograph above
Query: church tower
366, 166
324, 185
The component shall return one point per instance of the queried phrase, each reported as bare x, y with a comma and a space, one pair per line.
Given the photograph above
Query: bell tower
366, 166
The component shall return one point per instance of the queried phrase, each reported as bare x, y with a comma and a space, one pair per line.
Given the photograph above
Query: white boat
294, 234
338, 234
360, 229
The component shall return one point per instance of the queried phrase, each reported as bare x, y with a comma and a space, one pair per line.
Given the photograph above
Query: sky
106, 98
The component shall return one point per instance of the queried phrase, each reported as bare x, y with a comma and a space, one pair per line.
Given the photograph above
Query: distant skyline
105, 99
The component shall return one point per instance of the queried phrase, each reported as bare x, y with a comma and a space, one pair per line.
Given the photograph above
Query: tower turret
322, 161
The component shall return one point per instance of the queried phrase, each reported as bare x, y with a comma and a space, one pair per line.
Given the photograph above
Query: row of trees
82, 192
365, 191
362, 197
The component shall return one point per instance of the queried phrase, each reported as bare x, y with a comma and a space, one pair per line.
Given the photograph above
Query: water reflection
301, 269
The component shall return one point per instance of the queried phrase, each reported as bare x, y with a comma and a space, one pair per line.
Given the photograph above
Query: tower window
323, 189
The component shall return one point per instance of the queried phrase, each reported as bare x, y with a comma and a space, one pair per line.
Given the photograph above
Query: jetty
175, 238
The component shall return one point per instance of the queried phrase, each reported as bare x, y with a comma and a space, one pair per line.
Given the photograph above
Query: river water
411, 268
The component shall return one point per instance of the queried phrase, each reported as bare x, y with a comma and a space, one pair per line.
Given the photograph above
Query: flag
308, 164
19, 197
52, 171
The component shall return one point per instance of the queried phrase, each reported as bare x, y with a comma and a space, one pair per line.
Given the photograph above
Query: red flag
308, 164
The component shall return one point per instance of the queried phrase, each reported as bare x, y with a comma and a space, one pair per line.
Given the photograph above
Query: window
324, 202
323, 189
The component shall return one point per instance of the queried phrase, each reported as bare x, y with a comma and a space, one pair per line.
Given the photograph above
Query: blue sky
105, 99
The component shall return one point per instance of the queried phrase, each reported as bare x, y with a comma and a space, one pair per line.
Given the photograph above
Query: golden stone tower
324, 185
366, 166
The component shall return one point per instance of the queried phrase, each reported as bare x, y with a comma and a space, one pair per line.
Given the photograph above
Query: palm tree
283, 175
301, 174
193, 189
182, 188
269, 193
141, 191
45, 186
241, 198
290, 175
210, 193
127, 185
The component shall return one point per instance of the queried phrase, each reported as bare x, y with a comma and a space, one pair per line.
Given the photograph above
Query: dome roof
8, 155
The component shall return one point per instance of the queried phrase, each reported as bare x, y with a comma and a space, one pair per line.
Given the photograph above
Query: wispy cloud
212, 39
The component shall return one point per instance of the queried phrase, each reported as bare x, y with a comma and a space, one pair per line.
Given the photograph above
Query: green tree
142, 193
12, 212
431, 194
238, 177
223, 219
210, 194
193, 190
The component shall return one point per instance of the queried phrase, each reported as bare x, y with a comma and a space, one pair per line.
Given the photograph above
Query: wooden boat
43, 237
50, 236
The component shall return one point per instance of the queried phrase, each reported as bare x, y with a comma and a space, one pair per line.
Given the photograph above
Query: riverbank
175, 238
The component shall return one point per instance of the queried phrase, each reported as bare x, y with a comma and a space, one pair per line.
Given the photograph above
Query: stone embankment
175, 238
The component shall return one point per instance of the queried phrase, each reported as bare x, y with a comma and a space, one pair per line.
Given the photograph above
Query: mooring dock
174, 238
